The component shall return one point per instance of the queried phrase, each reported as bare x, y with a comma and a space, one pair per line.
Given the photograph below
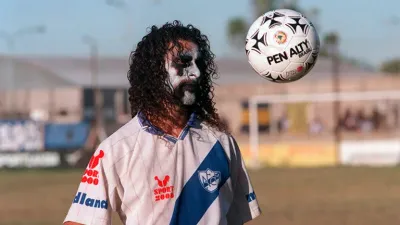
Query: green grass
324, 196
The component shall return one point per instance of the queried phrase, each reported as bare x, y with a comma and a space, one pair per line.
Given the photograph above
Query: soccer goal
389, 100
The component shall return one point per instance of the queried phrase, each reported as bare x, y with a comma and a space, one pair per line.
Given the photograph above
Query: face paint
183, 72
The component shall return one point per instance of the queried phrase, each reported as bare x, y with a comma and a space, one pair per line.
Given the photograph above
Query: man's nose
193, 73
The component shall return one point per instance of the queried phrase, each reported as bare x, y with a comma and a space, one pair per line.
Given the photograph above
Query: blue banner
66, 136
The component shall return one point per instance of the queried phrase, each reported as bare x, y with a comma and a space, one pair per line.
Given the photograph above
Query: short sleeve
96, 195
244, 206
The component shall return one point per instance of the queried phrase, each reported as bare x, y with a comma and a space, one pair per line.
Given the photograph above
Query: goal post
254, 101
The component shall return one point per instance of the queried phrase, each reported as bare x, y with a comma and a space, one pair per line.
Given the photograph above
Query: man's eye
184, 58
182, 63
179, 65
199, 62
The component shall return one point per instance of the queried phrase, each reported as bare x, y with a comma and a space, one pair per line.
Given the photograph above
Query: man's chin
188, 99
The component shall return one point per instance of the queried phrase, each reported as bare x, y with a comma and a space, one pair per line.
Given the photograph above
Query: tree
237, 31
391, 67
330, 40
237, 27
262, 6
293, 5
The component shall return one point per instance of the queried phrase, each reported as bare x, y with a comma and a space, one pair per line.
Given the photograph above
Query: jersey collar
149, 127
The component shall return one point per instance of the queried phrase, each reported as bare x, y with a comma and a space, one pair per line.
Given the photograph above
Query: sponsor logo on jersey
91, 175
209, 179
82, 199
251, 197
163, 191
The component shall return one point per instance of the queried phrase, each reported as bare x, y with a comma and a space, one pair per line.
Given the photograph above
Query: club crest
209, 179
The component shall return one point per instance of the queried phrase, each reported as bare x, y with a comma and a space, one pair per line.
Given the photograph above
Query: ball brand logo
82, 199
91, 175
280, 37
163, 191
299, 50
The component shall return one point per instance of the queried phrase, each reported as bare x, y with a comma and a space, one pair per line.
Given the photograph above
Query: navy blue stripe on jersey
170, 138
190, 123
185, 131
202, 188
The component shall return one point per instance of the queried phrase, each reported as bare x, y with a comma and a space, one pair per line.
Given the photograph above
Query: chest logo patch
209, 179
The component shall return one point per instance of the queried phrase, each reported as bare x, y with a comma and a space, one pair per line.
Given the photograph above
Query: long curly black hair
149, 92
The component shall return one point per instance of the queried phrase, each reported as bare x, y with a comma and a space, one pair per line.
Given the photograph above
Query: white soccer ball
282, 46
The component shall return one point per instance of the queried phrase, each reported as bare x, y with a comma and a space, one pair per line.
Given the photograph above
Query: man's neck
174, 123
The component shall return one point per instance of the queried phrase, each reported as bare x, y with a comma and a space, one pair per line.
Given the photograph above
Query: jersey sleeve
244, 205
96, 195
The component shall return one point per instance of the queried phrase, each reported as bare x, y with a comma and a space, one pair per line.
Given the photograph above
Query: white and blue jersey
150, 178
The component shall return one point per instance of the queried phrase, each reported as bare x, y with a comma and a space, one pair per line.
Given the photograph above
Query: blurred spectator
395, 116
316, 126
364, 124
348, 122
283, 124
376, 119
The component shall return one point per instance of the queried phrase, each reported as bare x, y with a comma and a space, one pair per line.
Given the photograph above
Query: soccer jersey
151, 178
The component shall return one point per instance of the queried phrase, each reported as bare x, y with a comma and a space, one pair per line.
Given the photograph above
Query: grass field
328, 196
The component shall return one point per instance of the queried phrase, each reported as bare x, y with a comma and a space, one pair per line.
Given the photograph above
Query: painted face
183, 72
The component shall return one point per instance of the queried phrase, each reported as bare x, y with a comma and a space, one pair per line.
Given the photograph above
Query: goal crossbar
316, 97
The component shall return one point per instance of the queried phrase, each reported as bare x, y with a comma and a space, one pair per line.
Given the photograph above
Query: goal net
306, 130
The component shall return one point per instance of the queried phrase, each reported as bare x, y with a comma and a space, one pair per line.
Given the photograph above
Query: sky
365, 29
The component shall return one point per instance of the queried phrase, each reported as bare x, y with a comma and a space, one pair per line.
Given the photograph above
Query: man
174, 162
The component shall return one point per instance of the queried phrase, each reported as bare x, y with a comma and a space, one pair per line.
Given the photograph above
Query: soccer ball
282, 46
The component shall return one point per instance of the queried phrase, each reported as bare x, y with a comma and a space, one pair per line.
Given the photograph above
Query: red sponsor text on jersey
91, 175
163, 191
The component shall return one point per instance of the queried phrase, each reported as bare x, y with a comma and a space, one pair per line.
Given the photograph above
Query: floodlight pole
336, 104
394, 21
94, 70
10, 39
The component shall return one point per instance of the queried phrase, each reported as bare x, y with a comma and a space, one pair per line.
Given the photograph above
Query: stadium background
59, 101
309, 174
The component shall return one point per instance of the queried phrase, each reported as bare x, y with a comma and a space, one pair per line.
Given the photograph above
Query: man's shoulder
211, 130
126, 133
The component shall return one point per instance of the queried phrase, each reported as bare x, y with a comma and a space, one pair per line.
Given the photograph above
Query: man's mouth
188, 87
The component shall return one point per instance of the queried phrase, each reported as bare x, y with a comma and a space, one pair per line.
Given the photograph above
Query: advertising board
371, 152
66, 136
29, 159
294, 154
21, 135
